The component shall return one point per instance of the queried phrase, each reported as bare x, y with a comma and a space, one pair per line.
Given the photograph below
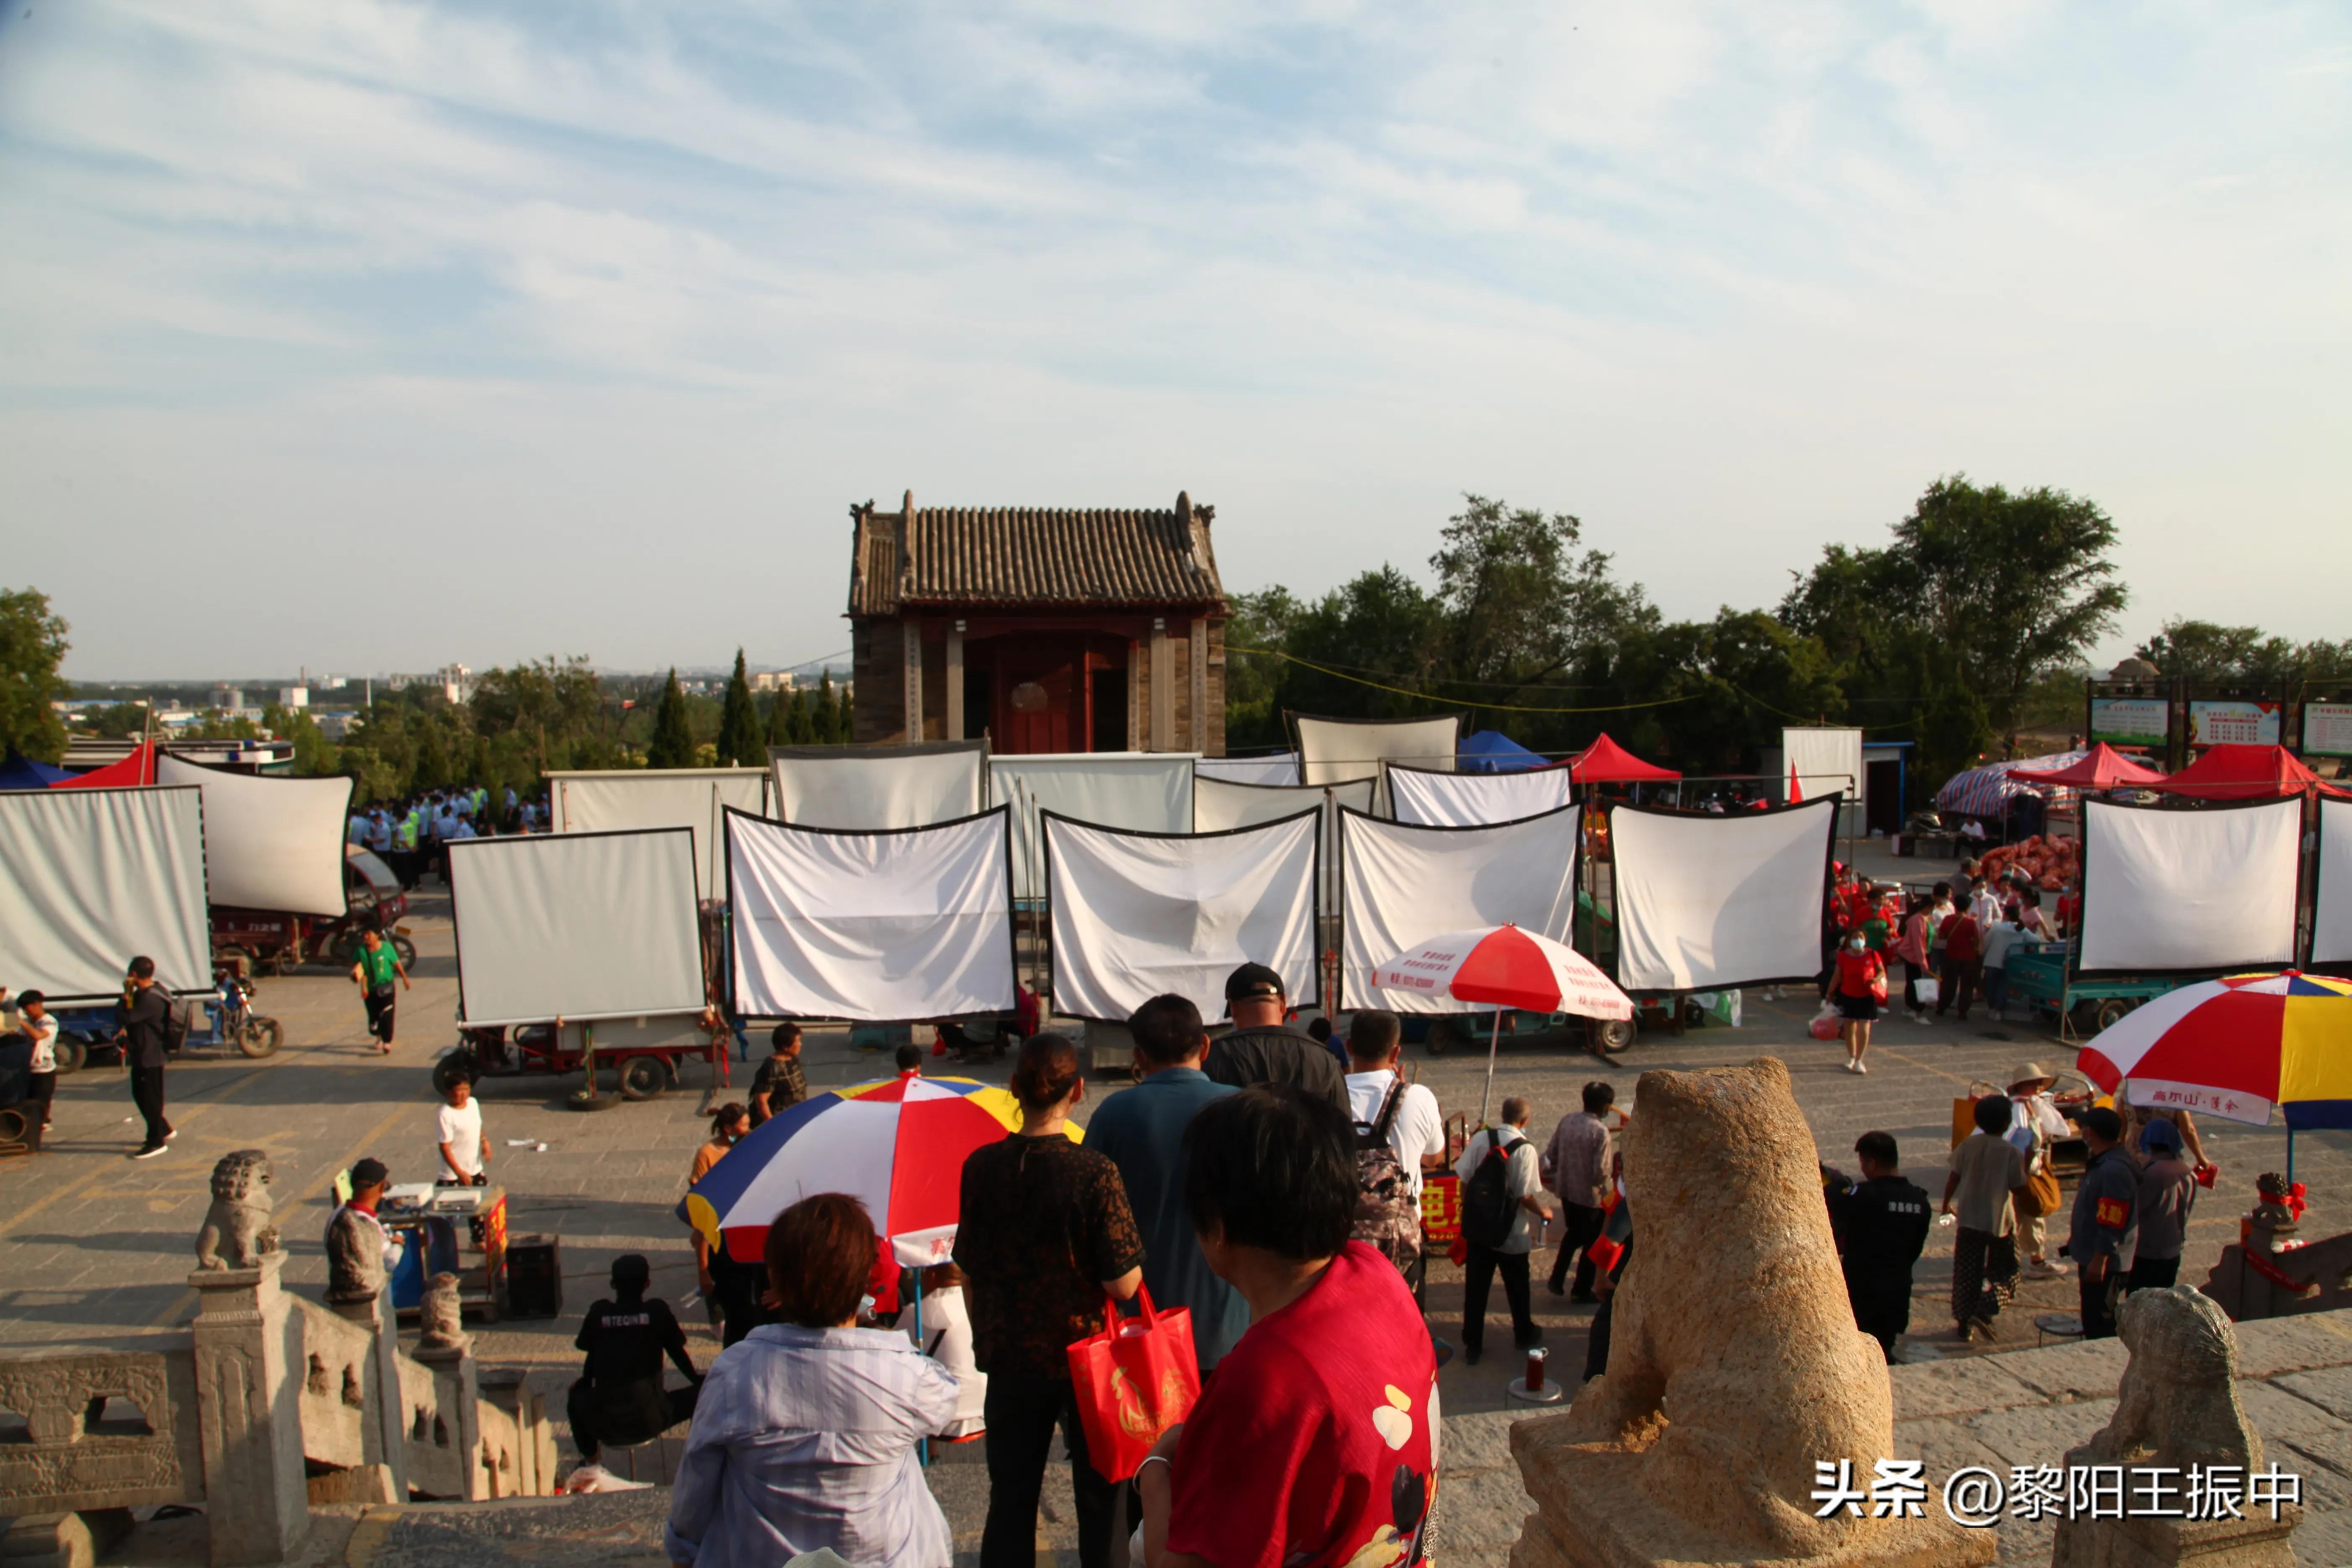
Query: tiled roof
1014, 556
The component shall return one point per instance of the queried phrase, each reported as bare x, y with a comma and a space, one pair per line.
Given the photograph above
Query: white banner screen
871, 789
1218, 805
1333, 751
1399, 885
1709, 903
1151, 792
642, 798
1476, 800
2209, 889
269, 844
871, 927
90, 878
1282, 768
2331, 923
1137, 914
583, 925
1817, 762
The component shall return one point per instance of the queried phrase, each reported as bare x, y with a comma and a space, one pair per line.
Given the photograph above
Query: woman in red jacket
1860, 987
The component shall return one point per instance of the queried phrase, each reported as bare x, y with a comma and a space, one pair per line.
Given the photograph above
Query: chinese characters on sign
1978, 1497
2233, 724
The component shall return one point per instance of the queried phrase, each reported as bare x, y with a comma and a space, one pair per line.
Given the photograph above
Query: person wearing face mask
1860, 987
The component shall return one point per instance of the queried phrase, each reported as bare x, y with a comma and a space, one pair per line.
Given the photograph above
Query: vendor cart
449, 1230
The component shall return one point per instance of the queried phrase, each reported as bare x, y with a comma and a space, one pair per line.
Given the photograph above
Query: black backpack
1388, 1211
1487, 1201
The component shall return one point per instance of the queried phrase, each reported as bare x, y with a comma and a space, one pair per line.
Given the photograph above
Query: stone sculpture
236, 1229
1731, 1315
439, 1320
2176, 1406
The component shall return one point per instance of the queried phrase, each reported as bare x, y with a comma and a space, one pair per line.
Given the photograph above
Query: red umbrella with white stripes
1510, 968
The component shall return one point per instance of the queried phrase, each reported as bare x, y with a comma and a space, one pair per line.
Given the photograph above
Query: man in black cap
2103, 1206
1263, 1048
360, 1251
619, 1397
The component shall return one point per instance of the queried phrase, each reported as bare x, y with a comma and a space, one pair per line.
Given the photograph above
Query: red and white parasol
1510, 968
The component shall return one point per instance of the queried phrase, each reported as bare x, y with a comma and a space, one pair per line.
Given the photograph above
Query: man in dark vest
1263, 1048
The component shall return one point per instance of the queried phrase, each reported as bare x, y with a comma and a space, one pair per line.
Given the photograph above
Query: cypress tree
738, 722
831, 730
798, 724
673, 742
779, 718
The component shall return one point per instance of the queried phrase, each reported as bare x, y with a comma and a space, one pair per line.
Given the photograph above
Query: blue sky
368, 335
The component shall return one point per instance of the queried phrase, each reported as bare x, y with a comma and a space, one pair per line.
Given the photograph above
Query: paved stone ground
93, 1244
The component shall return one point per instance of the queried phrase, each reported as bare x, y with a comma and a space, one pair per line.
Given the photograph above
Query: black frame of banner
1834, 800
1290, 717
2340, 967
1045, 817
1013, 927
2296, 944
203, 862
457, 937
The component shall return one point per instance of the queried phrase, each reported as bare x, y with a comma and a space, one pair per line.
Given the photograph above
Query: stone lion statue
236, 1229
440, 1321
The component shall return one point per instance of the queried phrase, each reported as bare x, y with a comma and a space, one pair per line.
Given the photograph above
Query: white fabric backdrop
663, 797
1136, 915
871, 927
1281, 768
1822, 761
877, 788
1218, 805
269, 844
1707, 903
2189, 889
587, 925
2331, 924
1149, 791
1333, 751
90, 878
1476, 800
1402, 885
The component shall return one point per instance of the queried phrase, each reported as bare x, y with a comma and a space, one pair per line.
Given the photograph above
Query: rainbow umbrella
2234, 1047
897, 1145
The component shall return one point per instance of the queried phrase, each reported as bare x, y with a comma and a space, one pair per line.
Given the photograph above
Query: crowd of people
410, 835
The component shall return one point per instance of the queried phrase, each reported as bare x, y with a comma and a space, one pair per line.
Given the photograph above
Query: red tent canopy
1606, 762
137, 768
2247, 772
2104, 768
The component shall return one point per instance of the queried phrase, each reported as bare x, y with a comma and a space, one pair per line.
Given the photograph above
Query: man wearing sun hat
1264, 1049
2033, 1123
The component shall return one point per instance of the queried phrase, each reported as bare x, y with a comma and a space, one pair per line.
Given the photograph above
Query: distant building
225, 698
1049, 630
455, 681
772, 680
293, 697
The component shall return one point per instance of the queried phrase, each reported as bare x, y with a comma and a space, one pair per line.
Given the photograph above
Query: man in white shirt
1999, 937
1984, 903
1417, 1131
464, 1147
1522, 1185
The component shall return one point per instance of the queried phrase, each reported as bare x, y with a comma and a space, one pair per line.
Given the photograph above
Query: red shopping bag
1134, 1380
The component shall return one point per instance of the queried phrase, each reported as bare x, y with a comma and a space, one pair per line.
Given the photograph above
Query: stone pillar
515, 1391
1164, 689
1197, 666
954, 693
455, 1383
913, 696
384, 1433
249, 1404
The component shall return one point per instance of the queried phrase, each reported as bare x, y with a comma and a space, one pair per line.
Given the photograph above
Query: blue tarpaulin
1492, 752
21, 772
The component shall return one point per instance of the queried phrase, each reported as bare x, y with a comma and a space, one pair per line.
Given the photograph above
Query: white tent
2213, 889
1816, 762
1139, 914
90, 878
269, 844
865, 788
2331, 924
871, 927
578, 925
1710, 903
632, 799
1333, 750
1448, 799
1279, 768
1401, 885
1220, 803
1148, 791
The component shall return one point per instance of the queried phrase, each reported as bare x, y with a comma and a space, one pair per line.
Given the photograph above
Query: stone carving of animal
236, 1230
440, 1323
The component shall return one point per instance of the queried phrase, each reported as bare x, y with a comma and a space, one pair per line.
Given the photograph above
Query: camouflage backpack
1388, 1211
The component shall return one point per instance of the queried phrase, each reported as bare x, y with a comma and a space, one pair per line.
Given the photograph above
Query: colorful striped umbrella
2236, 1047
899, 1146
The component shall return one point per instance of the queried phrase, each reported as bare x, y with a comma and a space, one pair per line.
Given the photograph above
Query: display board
2131, 720
872, 927
1709, 903
2167, 889
1476, 800
1401, 885
90, 878
2327, 729
2331, 918
1148, 791
269, 844
1333, 750
1219, 805
580, 926
1137, 915
2233, 724
865, 788
631, 800
1281, 768
1817, 762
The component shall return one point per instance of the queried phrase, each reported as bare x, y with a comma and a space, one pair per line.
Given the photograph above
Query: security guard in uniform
2104, 1209
1881, 1224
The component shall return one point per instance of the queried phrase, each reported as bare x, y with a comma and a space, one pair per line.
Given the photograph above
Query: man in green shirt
377, 968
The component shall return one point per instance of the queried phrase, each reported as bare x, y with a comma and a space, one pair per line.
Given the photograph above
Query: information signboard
2233, 724
2327, 729
2130, 720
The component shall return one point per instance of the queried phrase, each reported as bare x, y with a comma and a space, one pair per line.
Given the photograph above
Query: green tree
540, 716
740, 740
672, 738
116, 720
314, 754
829, 719
1254, 680
2206, 653
800, 719
32, 646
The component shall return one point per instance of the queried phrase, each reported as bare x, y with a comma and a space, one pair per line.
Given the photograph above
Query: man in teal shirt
1141, 1130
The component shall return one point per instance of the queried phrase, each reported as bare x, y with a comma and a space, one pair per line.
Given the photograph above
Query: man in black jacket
1262, 1049
146, 1015
2103, 1211
1882, 1223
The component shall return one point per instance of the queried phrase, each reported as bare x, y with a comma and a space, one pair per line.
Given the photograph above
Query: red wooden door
1037, 688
